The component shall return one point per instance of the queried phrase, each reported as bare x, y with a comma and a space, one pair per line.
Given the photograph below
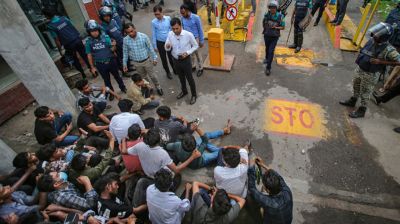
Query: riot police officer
273, 23
111, 28
115, 15
372, 61
65, 34
99, 48
301, 9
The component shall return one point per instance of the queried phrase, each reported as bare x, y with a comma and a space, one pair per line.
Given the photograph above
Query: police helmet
108, 3
91, 25
381, 32
105, 11
273, 3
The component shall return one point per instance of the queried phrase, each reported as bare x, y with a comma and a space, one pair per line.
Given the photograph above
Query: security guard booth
216, 46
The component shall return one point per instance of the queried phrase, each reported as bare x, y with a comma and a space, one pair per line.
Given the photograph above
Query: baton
290, 30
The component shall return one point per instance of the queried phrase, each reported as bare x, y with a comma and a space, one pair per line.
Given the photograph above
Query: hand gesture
108, 134
69, 127
194, 126
188, 186
154, 62
196, 154
184, 55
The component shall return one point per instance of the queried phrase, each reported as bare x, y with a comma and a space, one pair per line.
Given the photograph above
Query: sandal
227, 129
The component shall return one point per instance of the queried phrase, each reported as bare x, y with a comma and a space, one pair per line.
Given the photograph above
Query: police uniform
115, 32
367, 74
271, 36
300, 12
104, 60
341, 7
319, 4
69, 37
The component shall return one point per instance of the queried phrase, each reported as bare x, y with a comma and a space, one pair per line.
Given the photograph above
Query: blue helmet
381, 31
108, 3
91, 25
105, 11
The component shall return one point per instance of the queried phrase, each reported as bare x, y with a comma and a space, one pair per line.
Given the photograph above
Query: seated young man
96, 95
183, 149
64, 193
139, 91
48, 127
163, 204
131, 162
152, 158
50, 153
170, 128
211, 205
121, 122
91, 119
17, 202
109, 205
278, 203
231, 171
79, 164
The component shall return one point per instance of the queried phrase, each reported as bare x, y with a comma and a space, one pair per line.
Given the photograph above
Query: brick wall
14, 100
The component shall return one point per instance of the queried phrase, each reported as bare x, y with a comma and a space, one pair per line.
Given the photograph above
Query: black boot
294, 45
360, 112
299, 42
350, 102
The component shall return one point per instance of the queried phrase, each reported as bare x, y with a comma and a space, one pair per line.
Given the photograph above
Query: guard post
216, 46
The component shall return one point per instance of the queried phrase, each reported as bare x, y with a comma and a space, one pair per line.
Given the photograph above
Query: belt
179, 59
142, 60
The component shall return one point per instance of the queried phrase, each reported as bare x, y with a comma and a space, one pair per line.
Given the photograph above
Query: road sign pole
217, 22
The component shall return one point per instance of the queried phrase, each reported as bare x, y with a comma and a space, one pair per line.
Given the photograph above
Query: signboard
230, 2
231, 13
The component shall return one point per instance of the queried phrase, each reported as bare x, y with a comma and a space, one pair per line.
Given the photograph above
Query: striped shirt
138, 48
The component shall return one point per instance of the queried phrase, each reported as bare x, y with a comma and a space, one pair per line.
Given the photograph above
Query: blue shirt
138, 48
193, 25
160, 29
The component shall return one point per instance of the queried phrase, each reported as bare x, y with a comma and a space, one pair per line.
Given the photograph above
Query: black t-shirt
85, 119
113, 207
44, 132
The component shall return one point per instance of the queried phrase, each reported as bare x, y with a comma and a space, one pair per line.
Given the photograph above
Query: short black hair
157, 8
127, 25
83, 102
175, 21
134, 132
78, 163
101, 183
45, 183
94, 160
136, 77
48, 13
188, 142
46, 152
21, 160
81, 83
152, 137
164, 112
185, 7
41, 112
272, 182
125, 105
163, 180
231, 157
221, 202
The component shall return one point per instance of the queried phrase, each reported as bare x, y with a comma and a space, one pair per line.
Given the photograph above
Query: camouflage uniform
364, 82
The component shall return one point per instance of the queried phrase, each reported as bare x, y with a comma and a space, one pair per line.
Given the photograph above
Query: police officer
115, 15
341, 7
299, 13
273, 23
101, 57
65, 34
372, 60
319, 4
111, 28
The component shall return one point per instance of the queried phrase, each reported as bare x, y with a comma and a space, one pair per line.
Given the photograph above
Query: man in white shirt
121, 122
231, 175
164, 206
183, 44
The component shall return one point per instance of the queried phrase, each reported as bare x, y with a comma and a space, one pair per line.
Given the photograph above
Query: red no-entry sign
231, 13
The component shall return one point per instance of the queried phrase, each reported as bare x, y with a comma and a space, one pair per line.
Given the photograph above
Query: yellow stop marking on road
294, 118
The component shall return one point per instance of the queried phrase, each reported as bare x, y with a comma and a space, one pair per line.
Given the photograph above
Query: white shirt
120, 124
233, 180
151, 159
185, 42
165, 207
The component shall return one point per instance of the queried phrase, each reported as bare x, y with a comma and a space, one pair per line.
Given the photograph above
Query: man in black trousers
341, 7
183, 44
